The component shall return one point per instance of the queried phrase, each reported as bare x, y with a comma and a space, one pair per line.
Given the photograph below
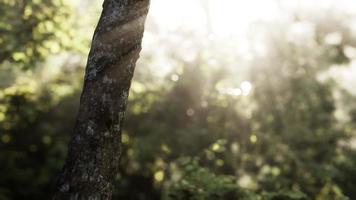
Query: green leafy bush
199, 183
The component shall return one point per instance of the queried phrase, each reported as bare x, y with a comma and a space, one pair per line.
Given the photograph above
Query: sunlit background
231, 99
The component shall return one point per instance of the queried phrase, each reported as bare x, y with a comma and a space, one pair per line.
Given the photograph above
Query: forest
230, 99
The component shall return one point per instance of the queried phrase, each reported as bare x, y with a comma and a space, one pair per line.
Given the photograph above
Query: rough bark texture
94, 150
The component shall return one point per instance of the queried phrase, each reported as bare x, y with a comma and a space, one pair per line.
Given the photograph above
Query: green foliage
32, 122
31, 30
198, 183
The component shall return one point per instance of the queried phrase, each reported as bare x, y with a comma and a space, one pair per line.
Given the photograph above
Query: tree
94, 150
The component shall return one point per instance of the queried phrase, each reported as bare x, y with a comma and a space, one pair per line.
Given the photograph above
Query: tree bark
94, 150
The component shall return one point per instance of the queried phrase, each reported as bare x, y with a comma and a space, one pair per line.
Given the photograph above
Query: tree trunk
94, 150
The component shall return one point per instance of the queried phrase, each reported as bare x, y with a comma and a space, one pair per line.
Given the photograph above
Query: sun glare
220, 17
232, 17
228, 24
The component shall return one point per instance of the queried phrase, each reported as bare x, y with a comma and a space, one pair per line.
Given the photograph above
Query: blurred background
231, 99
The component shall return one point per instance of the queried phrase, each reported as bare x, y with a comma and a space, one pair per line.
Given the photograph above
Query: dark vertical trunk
94, 150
